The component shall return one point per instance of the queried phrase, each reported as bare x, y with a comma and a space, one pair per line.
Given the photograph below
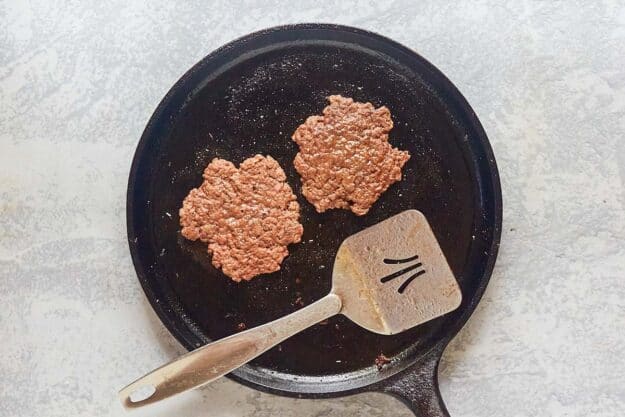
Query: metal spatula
387, 278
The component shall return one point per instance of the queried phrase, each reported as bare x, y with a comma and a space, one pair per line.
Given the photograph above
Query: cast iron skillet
247, 98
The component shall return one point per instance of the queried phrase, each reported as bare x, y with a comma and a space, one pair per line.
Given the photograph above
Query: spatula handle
216, 359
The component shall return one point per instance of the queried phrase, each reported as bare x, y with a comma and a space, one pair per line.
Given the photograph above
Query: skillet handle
205, 364
418, 386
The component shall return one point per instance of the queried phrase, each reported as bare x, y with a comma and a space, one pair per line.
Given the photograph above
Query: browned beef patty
344, 159
247, 215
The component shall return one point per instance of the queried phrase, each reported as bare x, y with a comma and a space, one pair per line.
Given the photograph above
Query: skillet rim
496, 204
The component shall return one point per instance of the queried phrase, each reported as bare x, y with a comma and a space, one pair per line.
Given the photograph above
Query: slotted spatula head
393, 276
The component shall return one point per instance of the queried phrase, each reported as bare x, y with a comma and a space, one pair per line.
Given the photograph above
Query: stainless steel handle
216, 359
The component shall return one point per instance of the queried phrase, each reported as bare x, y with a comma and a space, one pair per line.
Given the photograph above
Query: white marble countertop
79, 81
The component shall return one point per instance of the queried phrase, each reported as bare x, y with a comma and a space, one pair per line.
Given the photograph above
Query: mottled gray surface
78, 82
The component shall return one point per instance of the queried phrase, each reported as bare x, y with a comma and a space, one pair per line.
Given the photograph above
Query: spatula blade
393, 276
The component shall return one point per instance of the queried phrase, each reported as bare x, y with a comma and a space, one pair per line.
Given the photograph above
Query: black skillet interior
247, 98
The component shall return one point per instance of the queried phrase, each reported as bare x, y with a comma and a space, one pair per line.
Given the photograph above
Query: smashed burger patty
247, 215
344, 159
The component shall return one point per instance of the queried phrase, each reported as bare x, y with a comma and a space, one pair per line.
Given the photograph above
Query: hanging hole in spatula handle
142, 393
418, 387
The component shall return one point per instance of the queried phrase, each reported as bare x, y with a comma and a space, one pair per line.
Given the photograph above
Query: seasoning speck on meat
344, 159
247, 215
